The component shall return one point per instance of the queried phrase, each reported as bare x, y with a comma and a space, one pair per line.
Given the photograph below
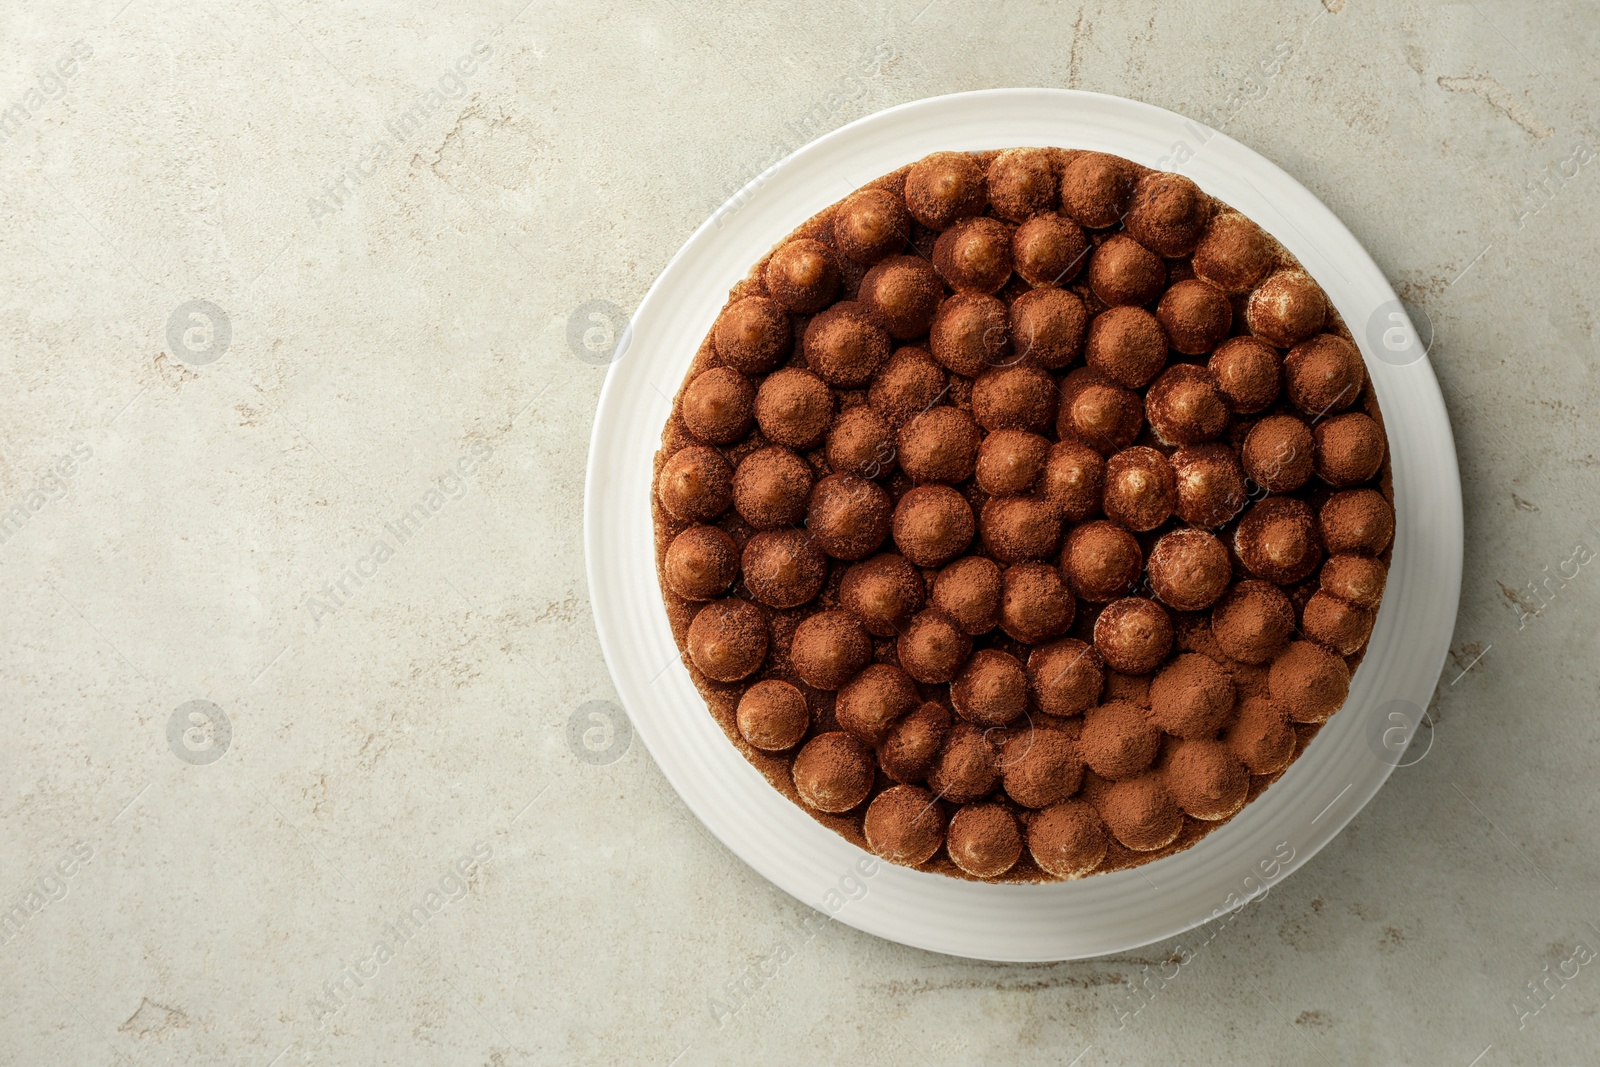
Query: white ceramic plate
1319, 794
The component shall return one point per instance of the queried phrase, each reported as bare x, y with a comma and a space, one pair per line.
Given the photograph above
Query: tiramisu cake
1024, 514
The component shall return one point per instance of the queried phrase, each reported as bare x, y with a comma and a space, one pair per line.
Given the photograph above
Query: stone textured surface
185, 527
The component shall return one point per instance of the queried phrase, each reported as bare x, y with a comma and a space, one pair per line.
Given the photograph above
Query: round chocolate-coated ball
1022, 183
883, 592
1123, 271
861, 443
1357, 580
984, 840
1252, 621
1141, 488
1048, 327
944, 187
1010, 461
939, 445
718, 406
1068, 839
1014, 398
1338, 624
1141, 813
752, 335
933, 648
968, 591
1189, 569
1040, 766
845, 346
1133, 635
728, 640
1349, 449
1277, 540
1065, 676
1073, 480
908, 752
1048, 250
1309, 681
1286, 308
1211, 488
771, 487
1097, 412
700, 563
1357, 520
967, 766
1277, 453
1185, 407
772, 716
910, 383
1323, 374
1168, 213
802, 275
696, 484
1207, 781
849, 516
1261, 737
871, 224
1035, 605
1101, 561
1127, 345
873, 701
1019, 528
974, 255
1247, 370
829, 648
1117, 740
833, 772
1191, 697
784, 568
970, 333
1096, 188
904, 293
1233, 253
1195, 315
991, 690
933, 524
904, 825
794, 408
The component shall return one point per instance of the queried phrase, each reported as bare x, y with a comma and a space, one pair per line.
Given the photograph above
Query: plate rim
955, 898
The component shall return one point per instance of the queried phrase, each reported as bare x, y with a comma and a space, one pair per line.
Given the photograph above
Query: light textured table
411, 227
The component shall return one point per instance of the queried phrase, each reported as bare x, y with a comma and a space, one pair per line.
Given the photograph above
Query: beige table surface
399, 221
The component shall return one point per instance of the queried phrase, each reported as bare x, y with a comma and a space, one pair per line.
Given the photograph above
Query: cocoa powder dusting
1023, 515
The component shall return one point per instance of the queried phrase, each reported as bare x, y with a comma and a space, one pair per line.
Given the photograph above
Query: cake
1024, 515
